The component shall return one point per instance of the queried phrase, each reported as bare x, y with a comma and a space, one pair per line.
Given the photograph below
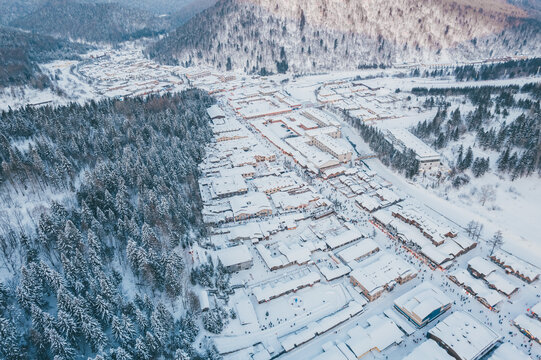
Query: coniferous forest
101, 272
516, 139
404, 162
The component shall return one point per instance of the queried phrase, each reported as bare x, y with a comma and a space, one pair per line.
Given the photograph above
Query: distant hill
188, 11
315, 35
96, 22
533, 7
12, 9
159, 6
21, 52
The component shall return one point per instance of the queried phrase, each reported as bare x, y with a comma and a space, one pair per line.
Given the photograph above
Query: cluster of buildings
121, 73
513, 265
243, 180
301, 266
311, 137
267, 220
429, 238
360, 100
369, 191
488, 282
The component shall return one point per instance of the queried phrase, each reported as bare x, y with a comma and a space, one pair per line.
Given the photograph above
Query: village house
463, 336
381, 275
235, 258
423, 304
254, 204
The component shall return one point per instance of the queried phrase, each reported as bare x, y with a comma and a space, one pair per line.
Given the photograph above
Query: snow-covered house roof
532, 326
368, 202
323, 118
381, 334
204, 302
224, 185
245, 171
359, 250
434, 254
384, 270
273, 183
482, 266
332, 144
249, 204
508, 351
412, 142
422, 301
215, 112
501, 283
246, 312
271, 291
350, 235
429, 350
518, 266
464, 335
234, 255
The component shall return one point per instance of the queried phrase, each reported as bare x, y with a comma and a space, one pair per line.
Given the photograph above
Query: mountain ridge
95, 22
22, 52
309, 35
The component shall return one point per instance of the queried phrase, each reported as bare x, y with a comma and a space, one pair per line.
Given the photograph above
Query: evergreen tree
467, 161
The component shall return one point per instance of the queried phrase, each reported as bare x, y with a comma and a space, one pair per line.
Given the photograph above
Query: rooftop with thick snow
464, 336
423, 303
235, 255
412, 142
429, 350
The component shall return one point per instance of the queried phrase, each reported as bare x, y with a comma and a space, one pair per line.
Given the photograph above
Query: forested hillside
505, 124
97, 22
184, 13
309, 35
96, 205
12, 9
531, 6
21, 52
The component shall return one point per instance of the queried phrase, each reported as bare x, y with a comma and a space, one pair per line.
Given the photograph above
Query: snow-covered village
382, 212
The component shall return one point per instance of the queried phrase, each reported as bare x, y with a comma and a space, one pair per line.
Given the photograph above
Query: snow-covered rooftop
465, 335
215, 112
482, 266
226, 185
532, 326
350, 235
410, 141
358, 250
384, 270
429, 350
249, 204
234, 255
423, 300
508, 351
271, 291
381, 334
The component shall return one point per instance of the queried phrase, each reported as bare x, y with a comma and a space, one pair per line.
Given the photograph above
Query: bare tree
478, 230
474, 229
496, 241
486, 193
